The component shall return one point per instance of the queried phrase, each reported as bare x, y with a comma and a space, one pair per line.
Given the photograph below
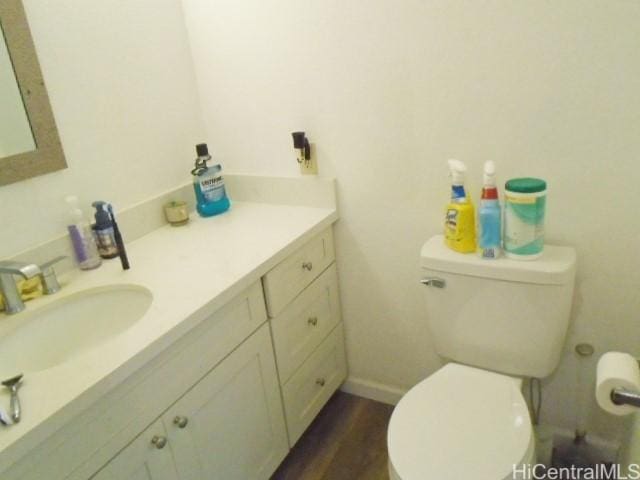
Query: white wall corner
318, 192
379, 392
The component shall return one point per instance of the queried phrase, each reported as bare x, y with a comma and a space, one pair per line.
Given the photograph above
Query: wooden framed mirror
29, 141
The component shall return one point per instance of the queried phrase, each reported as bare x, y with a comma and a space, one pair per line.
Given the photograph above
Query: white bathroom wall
388, 91
121, 84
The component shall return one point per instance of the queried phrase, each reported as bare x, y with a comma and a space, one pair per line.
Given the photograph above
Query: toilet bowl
460, 423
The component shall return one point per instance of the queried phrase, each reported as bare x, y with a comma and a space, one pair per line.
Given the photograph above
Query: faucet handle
26, 270
48, 276
12, 299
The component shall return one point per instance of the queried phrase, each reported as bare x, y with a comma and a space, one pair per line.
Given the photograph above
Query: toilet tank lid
556, 266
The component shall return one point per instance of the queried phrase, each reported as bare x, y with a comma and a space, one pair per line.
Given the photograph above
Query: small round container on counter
524, 209
176, 213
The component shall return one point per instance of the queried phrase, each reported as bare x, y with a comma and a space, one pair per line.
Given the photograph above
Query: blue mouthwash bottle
211, 197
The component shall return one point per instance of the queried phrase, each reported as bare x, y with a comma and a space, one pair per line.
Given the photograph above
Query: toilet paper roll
616, 370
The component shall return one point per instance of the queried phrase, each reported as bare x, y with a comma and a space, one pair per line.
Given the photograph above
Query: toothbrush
119, 242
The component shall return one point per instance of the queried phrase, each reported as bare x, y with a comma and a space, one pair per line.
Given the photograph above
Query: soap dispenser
103, 230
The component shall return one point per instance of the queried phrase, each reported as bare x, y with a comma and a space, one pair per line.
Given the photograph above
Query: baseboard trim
373, 390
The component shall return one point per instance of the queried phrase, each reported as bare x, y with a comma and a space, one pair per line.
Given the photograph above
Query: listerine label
212, 186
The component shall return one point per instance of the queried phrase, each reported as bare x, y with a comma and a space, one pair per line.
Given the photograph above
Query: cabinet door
230, 425
148, 457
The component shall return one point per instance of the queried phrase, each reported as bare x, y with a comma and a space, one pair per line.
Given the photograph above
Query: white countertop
192, 271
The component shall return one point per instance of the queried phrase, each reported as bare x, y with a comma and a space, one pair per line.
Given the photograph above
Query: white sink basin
56, 332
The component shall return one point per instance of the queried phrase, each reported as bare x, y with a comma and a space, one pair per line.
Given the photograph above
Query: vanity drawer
313, 384
287, 279
305, 322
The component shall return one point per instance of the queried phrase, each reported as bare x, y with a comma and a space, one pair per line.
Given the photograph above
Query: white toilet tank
503, 315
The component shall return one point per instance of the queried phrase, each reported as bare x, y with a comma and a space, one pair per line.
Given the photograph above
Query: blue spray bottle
489, 216
211, 197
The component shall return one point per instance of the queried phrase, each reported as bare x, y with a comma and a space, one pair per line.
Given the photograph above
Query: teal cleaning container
524, 210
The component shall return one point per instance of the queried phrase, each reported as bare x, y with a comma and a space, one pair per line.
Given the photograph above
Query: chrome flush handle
434, 282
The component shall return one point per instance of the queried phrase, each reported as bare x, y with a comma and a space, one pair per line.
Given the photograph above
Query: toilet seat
460, 423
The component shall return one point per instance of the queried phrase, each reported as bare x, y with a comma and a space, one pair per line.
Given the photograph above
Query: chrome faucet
12, 298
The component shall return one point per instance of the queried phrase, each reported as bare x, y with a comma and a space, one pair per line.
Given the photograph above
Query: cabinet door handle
180, 421
320, 382
159, 441
313, 321
308, 266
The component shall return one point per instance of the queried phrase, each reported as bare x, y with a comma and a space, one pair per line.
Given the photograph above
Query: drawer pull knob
313, 321
320, 382
180, 422
307, 266
159, 441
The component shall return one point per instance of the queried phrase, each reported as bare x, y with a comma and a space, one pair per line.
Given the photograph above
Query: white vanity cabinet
304, 310
226, 399
229, 425
93, 437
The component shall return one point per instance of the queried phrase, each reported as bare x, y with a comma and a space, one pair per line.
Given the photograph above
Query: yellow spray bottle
459, 225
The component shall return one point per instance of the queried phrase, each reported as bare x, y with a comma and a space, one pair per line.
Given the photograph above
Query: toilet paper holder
620, 396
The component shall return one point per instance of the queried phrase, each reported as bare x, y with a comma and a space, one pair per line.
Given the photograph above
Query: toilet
495, 322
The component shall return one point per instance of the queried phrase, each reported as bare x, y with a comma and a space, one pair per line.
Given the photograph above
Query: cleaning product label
522, 200
460, 227
106, 242
491, 253
212, 187
457, 192
489, 229
452, 219
524, 224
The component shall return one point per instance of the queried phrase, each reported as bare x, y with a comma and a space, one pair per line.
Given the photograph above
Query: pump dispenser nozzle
101, 214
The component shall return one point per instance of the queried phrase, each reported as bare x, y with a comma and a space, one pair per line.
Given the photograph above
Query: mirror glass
15, 130
29, 140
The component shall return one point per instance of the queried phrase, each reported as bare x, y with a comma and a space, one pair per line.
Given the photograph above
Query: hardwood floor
347, 441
